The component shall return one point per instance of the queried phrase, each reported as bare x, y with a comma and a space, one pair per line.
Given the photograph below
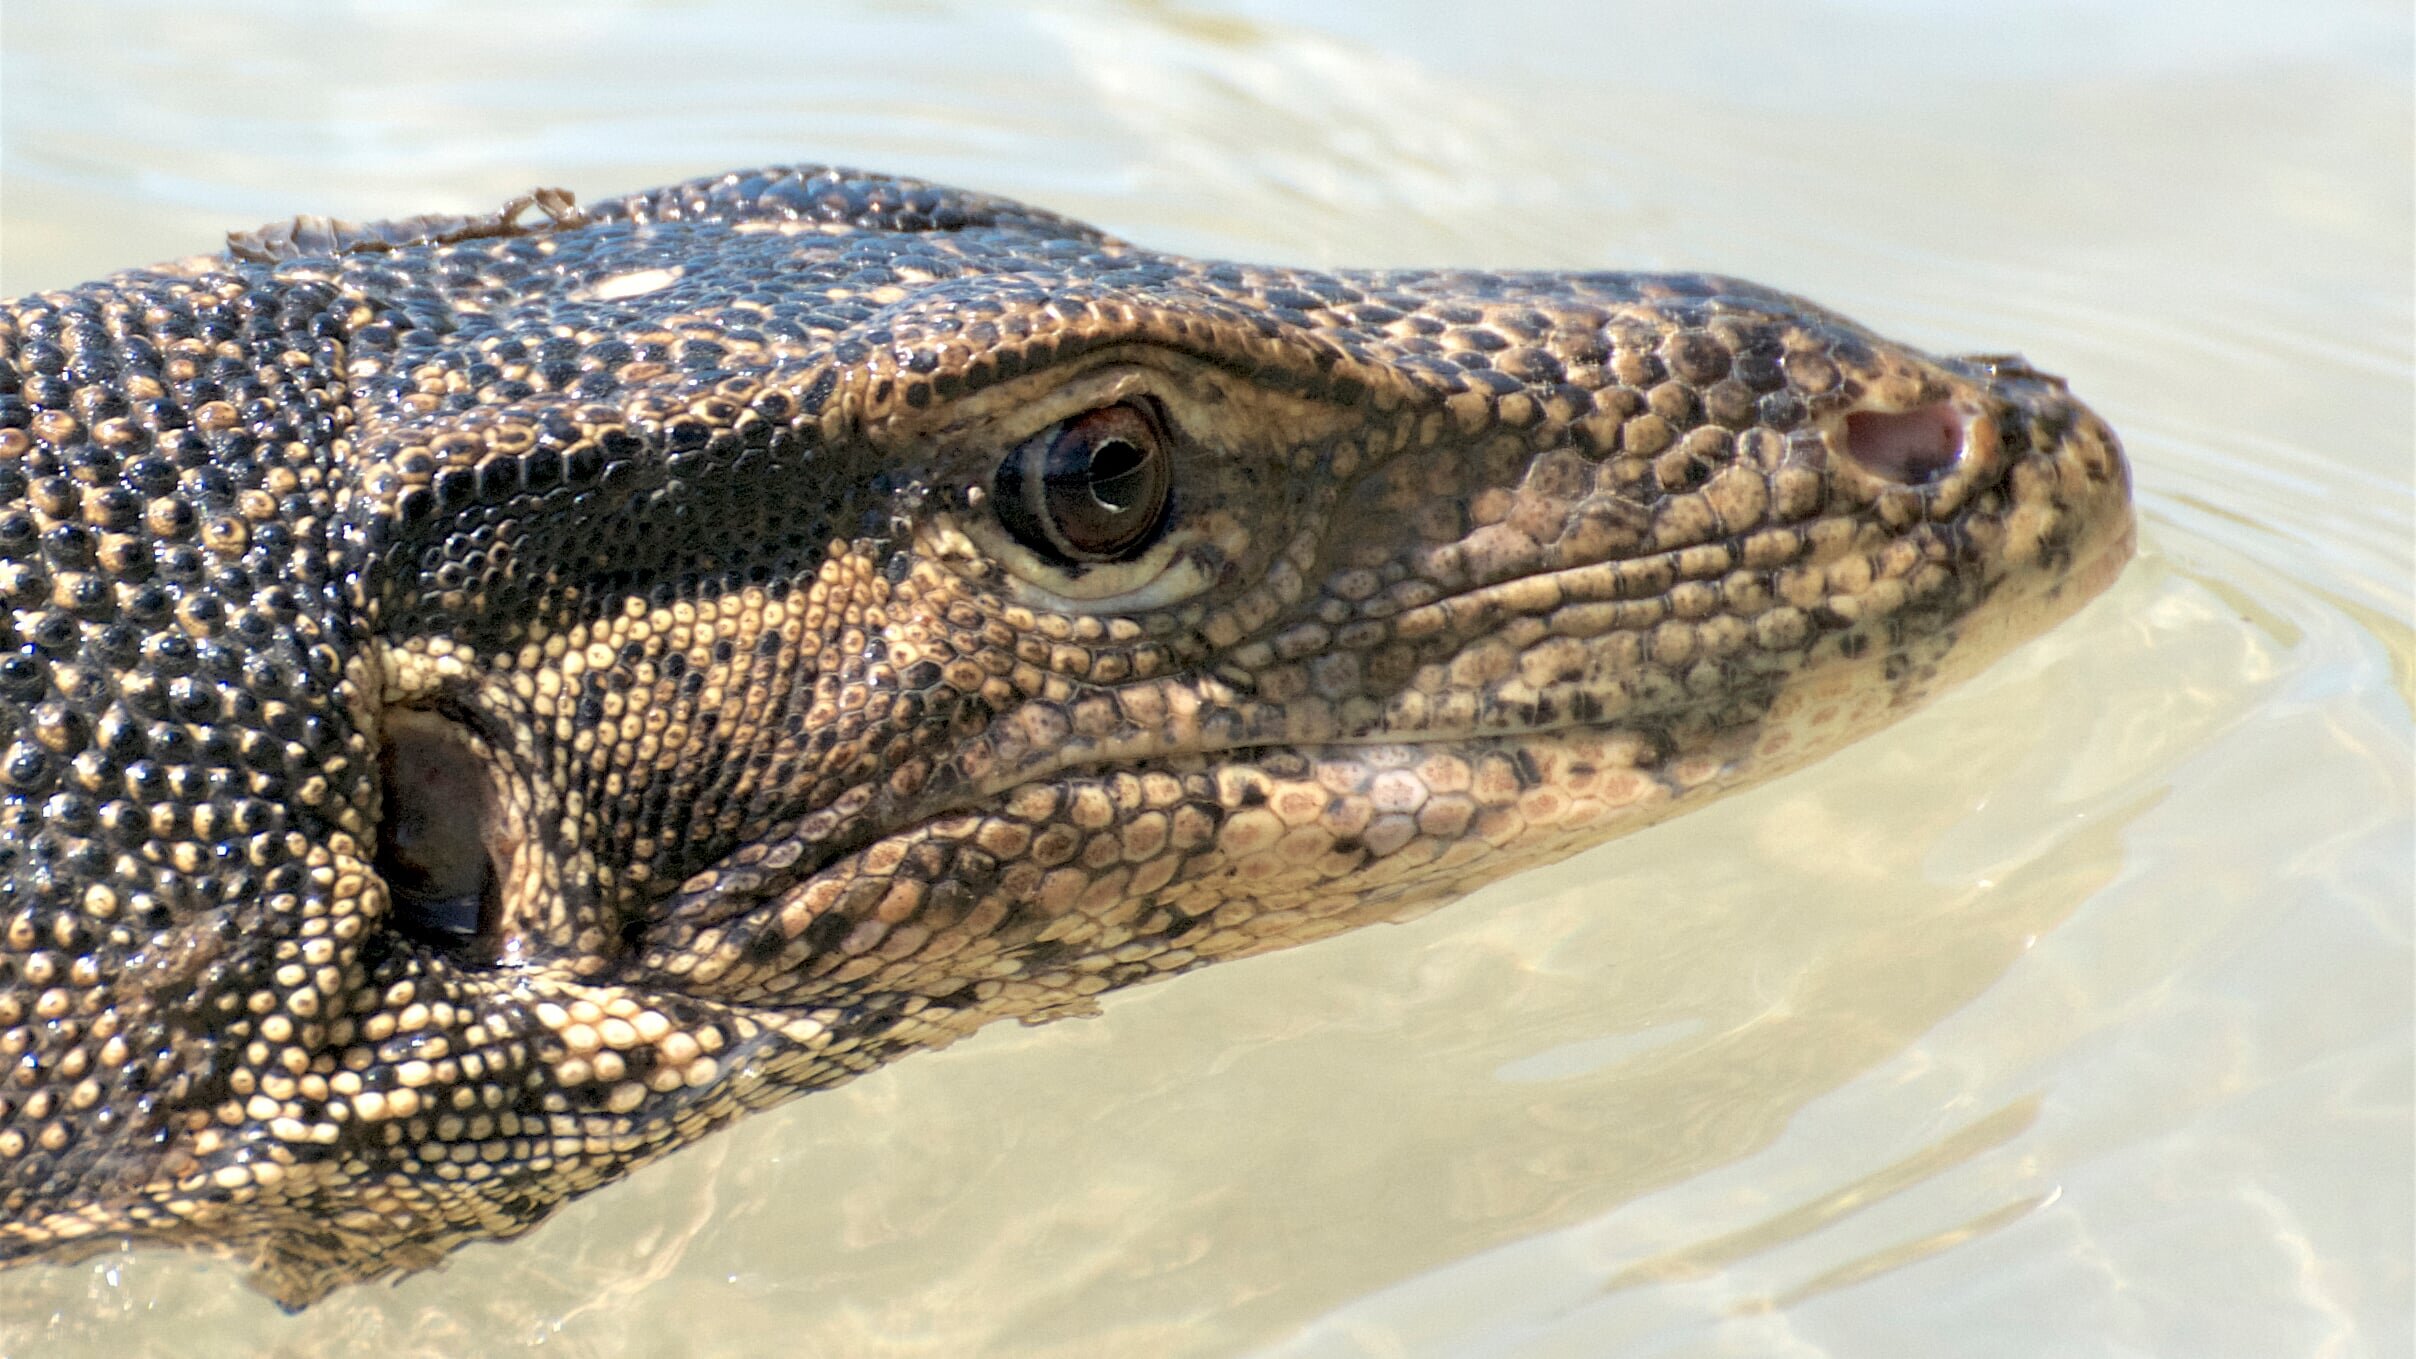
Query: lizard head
482, 706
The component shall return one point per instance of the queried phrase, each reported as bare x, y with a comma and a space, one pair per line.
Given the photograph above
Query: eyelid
982, 426
1178, 579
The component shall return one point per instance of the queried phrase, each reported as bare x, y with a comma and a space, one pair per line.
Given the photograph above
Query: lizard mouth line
1744, 749
2016, 604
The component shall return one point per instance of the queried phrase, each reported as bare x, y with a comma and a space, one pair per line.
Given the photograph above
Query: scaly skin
652, 572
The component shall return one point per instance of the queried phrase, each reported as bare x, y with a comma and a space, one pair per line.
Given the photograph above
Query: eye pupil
1094, 489
1118, 476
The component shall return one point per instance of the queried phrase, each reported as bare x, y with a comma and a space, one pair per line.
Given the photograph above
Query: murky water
2072, 1017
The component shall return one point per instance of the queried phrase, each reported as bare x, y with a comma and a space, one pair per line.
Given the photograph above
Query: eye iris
1099, 491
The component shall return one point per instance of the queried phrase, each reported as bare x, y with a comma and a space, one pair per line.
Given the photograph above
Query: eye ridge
1092, 489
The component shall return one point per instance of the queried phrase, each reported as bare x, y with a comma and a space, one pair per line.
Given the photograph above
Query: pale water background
2071, 1018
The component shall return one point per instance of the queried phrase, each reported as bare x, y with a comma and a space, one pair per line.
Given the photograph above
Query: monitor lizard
487, 700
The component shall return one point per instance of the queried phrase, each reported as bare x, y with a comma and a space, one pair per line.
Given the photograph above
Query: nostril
1914, 447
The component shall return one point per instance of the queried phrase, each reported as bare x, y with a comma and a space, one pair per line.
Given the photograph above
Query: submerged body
486, 702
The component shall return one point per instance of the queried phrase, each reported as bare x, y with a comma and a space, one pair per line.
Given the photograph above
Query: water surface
2072, 1017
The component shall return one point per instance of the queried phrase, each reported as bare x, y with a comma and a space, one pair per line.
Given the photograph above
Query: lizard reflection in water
487, 701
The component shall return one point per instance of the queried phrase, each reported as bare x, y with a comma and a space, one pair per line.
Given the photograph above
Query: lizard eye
433, 841
1091, 489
